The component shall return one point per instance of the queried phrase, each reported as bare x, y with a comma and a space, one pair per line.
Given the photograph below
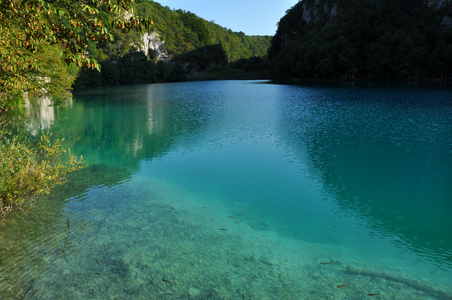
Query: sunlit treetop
27, 24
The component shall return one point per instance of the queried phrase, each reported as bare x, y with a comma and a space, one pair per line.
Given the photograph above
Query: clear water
241, 190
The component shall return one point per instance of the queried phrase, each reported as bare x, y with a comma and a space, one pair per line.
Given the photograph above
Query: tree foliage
195, 43
385, 39
200, 59
28, 26
184, 31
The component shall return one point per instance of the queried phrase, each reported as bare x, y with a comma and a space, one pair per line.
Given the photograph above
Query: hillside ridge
385, 39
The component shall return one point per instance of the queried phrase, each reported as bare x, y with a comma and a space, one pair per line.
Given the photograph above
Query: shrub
27, 170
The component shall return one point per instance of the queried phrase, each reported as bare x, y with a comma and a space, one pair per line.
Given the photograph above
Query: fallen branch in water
442, 264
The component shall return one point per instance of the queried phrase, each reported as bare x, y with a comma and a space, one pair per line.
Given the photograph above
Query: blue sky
253, 17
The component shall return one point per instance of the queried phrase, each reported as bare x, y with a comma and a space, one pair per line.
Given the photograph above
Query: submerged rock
193, 292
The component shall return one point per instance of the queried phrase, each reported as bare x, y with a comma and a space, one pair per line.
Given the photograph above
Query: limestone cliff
326, 10
154, 46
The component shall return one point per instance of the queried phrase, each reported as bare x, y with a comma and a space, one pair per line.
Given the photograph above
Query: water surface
232, 189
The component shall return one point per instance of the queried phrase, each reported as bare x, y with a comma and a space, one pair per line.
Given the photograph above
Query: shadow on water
382, 154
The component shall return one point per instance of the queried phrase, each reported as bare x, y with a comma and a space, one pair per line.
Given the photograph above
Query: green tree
26, 26
162, 70
199, 59
387, 39
111, 73
177, 73
136, 68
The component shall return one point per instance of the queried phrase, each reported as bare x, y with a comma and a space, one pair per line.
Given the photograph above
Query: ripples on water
225, 190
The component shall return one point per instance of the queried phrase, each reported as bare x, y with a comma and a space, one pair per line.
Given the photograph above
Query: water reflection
364, 168
39, 115
379, 154
384, 155
113, 139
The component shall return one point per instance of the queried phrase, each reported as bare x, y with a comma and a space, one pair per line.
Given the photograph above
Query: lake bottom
241, 190
148, 239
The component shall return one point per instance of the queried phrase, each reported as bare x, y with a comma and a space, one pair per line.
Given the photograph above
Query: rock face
446, 10
316, 10
154, 46
327, 10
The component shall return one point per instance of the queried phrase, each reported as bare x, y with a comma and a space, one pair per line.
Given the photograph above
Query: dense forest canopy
193, 44
387, 39
184, 31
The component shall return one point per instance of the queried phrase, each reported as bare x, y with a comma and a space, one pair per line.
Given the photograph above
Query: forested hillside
386, 39
189, 40
183, 31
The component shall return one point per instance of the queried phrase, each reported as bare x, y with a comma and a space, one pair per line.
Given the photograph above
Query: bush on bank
27, 171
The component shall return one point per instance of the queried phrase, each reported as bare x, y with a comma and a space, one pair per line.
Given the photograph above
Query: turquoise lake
241, 190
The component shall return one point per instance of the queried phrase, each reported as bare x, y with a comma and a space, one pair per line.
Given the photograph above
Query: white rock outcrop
154, 46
